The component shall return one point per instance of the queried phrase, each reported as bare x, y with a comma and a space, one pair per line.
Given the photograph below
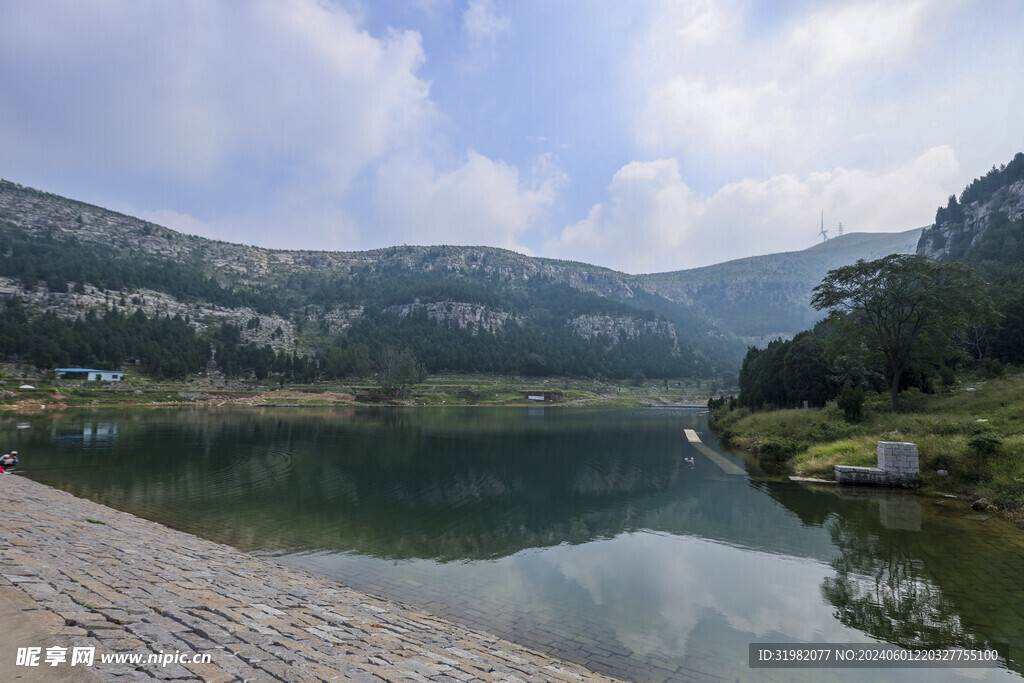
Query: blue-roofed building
88, 374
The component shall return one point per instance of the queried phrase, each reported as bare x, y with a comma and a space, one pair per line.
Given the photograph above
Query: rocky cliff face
473, 317
961, 226
256, 328
590, 326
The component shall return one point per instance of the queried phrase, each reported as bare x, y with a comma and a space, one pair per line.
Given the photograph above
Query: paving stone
121, 643
209, 673
156, 590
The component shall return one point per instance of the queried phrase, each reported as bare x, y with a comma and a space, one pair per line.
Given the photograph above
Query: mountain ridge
763, 297
68, 257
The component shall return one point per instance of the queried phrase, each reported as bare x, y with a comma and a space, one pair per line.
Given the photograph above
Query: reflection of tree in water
883, 591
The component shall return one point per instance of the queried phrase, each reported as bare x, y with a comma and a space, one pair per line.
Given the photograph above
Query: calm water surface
583, 533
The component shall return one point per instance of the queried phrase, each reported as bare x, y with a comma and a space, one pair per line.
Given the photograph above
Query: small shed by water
89, 374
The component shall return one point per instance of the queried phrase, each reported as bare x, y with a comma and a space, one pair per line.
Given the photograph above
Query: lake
600, 536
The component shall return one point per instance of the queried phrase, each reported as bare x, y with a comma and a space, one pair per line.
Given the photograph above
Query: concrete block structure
897, 464
899, 459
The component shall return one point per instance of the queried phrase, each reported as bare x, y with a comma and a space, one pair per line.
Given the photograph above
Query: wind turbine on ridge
824, 232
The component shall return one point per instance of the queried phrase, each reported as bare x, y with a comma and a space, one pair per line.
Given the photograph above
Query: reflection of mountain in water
448, 484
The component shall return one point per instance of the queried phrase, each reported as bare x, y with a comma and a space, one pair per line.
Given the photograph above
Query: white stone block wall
870, 476
899, 459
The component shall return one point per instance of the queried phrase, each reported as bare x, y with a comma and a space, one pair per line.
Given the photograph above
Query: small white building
88, 374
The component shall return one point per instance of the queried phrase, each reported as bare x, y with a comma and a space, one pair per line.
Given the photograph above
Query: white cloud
208, 93
700, 23
652, 221
685, 580
747, 109
736, 96
482, 24
478, 202
644, 220
832, 40
483, 28
724, 118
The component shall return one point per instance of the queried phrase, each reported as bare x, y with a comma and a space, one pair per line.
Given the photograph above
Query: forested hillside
984, 228
74, 275
86, 286
764, 297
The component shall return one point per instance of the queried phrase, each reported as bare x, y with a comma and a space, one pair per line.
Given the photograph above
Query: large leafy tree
904, 308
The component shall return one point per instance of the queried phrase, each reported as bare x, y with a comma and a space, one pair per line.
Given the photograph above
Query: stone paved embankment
87, 575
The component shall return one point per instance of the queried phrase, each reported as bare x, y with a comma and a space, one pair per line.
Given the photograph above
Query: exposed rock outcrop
962, 226
590, 326
466, 315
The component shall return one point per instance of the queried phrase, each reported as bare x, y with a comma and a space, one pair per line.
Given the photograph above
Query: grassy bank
447, 390
973, 431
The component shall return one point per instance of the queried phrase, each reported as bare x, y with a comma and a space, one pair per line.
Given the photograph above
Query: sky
644, 136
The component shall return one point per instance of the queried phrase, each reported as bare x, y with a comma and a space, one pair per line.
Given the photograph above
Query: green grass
819, 460
437, 390
952, 430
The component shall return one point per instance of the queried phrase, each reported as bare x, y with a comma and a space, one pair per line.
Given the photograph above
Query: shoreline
19, 411
81, 574
47, 396
968, 436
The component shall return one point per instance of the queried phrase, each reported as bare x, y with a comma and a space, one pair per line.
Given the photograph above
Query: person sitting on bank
9, 460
